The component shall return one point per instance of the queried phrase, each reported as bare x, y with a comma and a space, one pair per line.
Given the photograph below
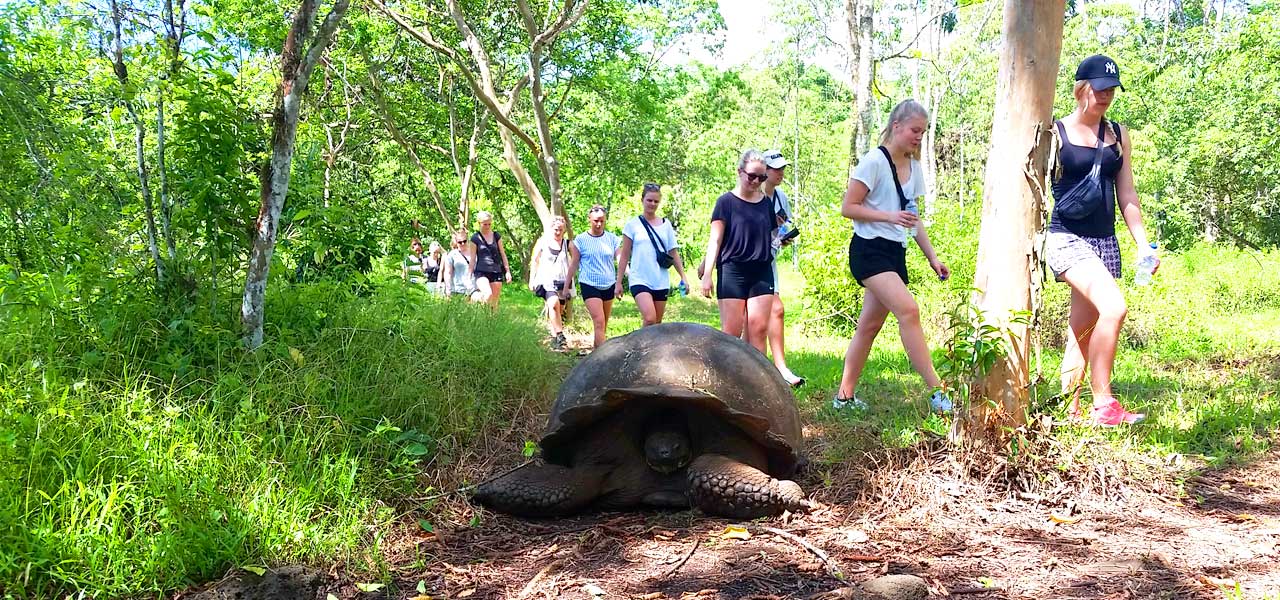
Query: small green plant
530, 448
975, 343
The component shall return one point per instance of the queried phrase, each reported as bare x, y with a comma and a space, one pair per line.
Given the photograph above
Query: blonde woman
488, 260
593, 257
1082, 248
549, 279
881, 201
740, 251
644, 239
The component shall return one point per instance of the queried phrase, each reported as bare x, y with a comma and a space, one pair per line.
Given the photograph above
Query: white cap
774, 160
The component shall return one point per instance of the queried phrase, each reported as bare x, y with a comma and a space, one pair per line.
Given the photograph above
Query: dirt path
1132, 544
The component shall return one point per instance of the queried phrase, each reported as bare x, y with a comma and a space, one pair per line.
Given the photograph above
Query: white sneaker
940, 402
792, 379
854, 403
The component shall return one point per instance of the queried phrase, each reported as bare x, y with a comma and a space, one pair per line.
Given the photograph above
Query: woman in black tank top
1083, 251
488, 260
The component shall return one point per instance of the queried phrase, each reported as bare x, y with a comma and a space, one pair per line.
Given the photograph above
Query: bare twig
827, 561
533, 583
696, 542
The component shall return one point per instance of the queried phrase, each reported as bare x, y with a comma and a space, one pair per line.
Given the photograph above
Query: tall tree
175, 25
130, 92
1014, 205
860, 17
476, 64
303, 47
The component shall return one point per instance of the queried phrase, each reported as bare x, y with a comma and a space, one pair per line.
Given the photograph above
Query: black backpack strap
894, 170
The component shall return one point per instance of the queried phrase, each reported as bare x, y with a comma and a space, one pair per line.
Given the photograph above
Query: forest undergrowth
143, 451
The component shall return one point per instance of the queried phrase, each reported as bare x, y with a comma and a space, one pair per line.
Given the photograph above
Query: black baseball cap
1100, 71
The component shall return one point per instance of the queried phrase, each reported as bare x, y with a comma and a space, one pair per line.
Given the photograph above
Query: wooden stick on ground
533, 583
696, 542
832, 568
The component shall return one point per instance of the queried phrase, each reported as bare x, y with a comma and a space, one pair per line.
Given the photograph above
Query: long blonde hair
904, 110
1078, 91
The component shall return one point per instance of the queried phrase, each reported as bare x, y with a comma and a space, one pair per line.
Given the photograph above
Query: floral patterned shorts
1066, 250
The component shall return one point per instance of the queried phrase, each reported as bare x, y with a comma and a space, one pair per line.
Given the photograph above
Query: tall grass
139, 455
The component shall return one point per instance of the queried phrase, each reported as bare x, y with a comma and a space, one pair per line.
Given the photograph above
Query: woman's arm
854, 207
446, 276
505, 265
574, 258
624, 260
471, 255
675, 254
922, 240
533, 266
713, 250
1127, 197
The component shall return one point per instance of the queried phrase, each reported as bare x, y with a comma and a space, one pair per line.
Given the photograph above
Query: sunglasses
756, 177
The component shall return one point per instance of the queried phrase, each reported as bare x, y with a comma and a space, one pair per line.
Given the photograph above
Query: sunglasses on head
757, 177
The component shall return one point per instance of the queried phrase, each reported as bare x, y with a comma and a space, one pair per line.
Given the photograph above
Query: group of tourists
474, 267
753, 221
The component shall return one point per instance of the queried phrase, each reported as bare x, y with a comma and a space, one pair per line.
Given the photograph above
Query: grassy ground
141, 454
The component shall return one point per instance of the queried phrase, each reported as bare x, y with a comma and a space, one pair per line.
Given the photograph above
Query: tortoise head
666, 443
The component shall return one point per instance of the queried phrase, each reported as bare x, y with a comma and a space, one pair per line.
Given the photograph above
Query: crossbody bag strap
897, 185
653, 237
1097, 154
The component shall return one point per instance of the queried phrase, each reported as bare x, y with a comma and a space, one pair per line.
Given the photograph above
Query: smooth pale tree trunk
166, 203
476, 66
302, 50
859, 16
140, 137
1014, 206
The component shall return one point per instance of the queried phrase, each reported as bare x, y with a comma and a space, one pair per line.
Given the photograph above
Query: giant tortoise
672, 415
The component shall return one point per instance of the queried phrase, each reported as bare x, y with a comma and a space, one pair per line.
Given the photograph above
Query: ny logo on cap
1111, 68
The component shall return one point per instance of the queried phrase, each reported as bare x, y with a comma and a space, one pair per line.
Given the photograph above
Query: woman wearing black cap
1082, 246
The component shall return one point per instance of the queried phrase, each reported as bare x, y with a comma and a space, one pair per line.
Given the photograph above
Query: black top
748, 229
1076, 163
488, 259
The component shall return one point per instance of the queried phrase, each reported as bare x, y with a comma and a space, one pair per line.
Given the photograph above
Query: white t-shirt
462, 282
643, 266
553, 262
874, 171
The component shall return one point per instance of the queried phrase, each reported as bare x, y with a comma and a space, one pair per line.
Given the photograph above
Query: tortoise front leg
720, 485
541, 490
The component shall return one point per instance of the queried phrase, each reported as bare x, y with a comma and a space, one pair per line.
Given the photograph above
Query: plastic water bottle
1146, 268
911, 231
684, 289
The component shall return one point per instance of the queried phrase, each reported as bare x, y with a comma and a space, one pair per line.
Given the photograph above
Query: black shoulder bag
665, 261
1086, 196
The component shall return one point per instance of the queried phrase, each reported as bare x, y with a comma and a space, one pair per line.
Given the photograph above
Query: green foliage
138, 455
975, 342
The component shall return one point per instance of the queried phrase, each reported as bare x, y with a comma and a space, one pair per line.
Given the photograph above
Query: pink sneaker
1112, 414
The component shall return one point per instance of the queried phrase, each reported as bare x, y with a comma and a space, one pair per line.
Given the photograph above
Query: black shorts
590, 291
545, 293
491, 276
743, 280
868, 258
658, 295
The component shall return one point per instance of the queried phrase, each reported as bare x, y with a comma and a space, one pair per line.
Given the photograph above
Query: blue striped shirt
596, 265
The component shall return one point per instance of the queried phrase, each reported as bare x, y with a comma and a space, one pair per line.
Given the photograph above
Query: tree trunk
297, 59
1014, 207
478, 72
140, 136
166, 204
862, 100
173, 32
